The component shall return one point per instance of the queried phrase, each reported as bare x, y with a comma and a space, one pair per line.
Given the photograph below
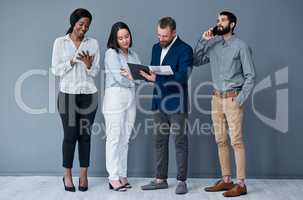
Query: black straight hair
113, 39
231, 18
76, 16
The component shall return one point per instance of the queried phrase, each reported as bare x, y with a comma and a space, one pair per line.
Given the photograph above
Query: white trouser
119, 110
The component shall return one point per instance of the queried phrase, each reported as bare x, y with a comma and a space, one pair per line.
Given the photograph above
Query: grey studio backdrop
30, 143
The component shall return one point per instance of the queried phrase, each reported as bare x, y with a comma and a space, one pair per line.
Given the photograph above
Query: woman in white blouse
119, 107
76, 61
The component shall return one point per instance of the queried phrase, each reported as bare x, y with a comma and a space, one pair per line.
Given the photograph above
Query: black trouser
166, 124
77, 112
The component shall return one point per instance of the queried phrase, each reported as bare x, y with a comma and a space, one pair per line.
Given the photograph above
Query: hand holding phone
210, 33
215, 30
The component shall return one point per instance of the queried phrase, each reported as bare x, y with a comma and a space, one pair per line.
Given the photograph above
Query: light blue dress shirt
113, 62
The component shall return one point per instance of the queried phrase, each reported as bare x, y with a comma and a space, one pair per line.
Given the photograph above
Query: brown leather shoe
219, 186
237, 190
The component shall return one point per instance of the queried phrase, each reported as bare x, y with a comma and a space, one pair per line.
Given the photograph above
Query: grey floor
51, 188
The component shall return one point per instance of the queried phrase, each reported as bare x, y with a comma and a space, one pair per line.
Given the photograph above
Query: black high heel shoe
69, 189
82, 188
127, 185
118, 189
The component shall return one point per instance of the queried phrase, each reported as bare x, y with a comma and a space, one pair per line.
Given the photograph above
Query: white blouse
76, 79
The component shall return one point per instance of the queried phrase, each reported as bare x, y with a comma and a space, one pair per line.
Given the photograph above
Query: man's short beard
223, 31
167, 44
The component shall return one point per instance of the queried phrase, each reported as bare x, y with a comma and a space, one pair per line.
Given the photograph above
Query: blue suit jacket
171, 92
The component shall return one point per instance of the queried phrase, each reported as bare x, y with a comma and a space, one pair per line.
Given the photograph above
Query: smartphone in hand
215, 31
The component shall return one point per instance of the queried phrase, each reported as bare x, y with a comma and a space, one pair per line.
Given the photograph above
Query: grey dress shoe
181, 188
154, 185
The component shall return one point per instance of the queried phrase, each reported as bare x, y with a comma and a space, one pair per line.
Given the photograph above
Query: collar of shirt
171, 44
229, 41
67, 37
130, 52
166, 49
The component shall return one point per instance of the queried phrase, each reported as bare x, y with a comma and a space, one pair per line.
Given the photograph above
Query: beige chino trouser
227, 117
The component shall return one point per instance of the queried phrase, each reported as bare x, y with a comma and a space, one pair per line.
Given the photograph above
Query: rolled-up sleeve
202, 50
200, 56
59, 66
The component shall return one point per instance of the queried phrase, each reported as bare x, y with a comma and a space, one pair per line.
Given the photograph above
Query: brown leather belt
226, 94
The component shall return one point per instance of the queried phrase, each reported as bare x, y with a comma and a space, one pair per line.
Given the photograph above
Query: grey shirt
231, 64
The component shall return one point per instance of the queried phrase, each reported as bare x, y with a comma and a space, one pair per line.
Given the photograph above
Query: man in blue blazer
170, 103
